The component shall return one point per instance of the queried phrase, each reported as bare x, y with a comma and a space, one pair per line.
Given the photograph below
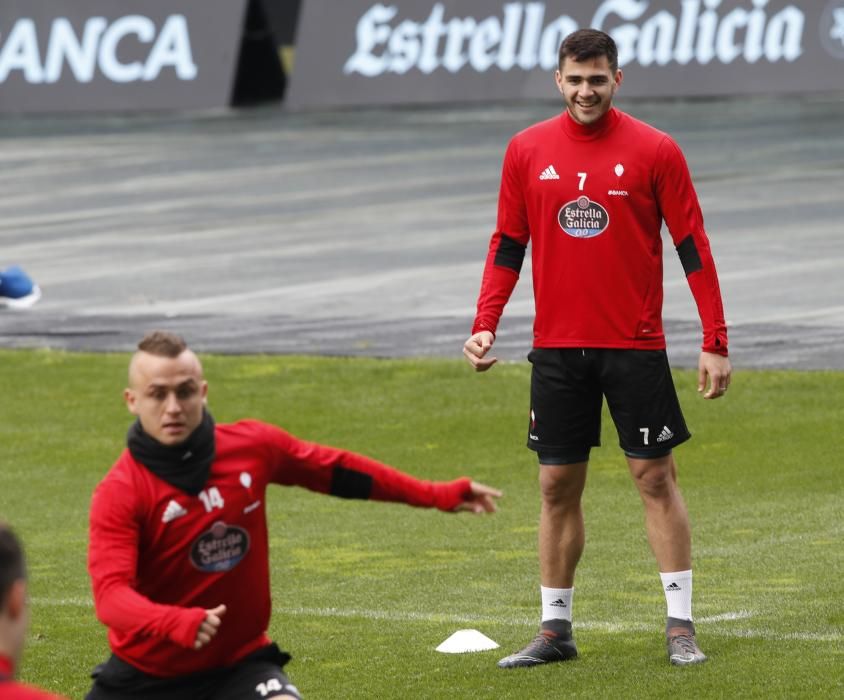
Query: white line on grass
740, 615
409, 615
514, 620
62, 602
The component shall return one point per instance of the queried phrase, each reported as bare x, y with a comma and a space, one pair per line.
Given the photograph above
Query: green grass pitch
364, 592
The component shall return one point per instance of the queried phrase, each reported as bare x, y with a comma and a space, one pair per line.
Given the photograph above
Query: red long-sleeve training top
591, 201
159, 557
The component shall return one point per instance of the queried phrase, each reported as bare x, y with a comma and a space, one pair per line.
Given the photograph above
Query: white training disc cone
463, 641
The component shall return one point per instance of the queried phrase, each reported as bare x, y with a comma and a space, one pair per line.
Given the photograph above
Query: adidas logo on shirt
549, 174
666, 434
173, 511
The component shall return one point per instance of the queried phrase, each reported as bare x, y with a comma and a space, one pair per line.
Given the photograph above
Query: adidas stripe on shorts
567, 389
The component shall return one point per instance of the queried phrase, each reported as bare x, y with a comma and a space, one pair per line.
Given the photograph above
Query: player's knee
559, 488
655, 482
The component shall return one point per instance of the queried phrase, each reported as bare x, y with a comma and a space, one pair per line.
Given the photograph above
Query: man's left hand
715, 370
481, 500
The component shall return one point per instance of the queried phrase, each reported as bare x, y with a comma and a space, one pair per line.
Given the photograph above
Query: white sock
556, 603
678, 593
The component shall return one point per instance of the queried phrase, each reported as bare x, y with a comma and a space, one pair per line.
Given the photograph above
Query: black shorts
255, 677
566, 395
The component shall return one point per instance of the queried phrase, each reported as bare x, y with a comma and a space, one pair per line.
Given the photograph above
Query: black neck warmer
185, 466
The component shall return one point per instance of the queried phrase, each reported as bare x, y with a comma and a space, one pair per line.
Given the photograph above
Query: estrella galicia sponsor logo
526, 35
220, 549
583, 218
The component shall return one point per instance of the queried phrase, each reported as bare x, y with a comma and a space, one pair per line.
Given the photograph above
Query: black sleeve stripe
689, 256
348, 483
510, 253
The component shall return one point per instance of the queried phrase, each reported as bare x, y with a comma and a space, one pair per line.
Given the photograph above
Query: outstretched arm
351, 475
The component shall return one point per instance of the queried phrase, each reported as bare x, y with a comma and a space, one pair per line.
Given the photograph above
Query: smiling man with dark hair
589, 190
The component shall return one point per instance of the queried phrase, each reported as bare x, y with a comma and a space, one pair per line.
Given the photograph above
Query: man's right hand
209, 627
476, 348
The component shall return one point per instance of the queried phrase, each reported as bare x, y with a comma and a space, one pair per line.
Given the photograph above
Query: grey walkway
365, 232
